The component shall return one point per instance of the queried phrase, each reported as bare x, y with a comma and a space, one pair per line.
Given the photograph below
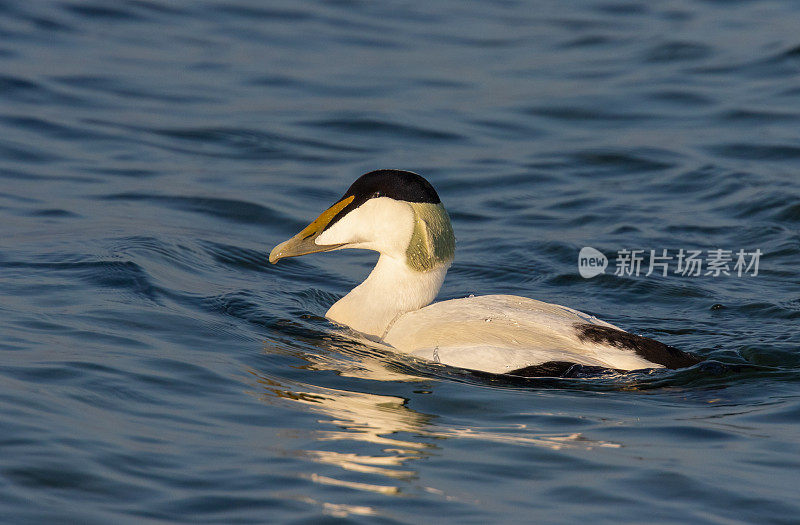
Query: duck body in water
399, 214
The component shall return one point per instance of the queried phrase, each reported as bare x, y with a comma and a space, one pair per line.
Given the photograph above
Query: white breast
501, 333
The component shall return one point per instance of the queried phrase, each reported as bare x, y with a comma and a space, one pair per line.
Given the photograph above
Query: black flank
548, 369
647, 348
563, 369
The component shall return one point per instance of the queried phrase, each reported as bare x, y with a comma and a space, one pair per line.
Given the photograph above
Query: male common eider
399, 215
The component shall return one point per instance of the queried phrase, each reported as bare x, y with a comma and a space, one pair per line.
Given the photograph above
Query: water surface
156, 368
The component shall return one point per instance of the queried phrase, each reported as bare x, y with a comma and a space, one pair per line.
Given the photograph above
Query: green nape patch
432, 241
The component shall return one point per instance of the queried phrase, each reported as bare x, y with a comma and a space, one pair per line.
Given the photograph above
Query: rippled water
156, 368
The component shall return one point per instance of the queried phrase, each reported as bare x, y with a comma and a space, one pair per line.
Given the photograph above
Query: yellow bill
303, 243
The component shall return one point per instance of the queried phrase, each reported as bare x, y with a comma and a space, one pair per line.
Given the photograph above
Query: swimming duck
399, 215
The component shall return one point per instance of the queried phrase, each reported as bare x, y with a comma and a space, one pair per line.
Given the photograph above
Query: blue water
154, 367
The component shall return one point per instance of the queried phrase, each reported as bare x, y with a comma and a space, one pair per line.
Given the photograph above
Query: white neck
391, 289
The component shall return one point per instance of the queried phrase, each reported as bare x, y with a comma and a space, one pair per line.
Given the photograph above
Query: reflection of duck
401, 434
399, 215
